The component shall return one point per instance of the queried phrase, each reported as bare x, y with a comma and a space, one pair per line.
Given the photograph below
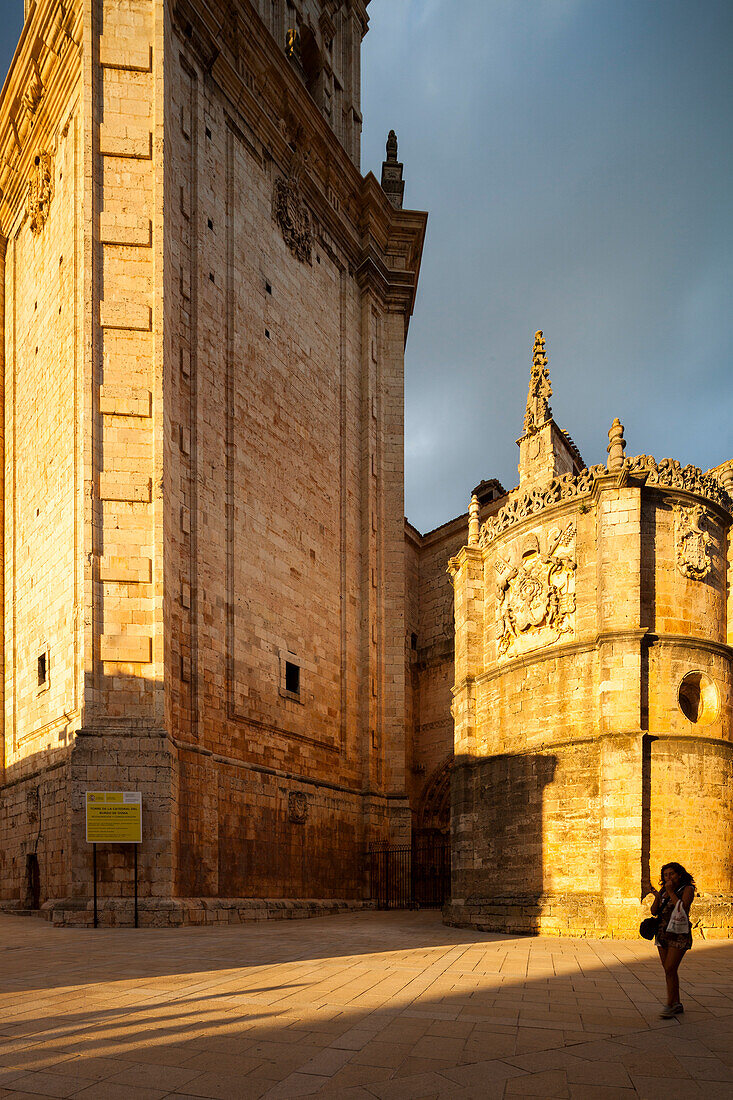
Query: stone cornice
42, 75
464, 555
689, 641
638, 635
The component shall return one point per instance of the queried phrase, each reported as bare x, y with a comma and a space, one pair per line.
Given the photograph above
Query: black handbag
648, 928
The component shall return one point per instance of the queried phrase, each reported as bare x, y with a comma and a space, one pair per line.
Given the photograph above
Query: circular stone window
698, 698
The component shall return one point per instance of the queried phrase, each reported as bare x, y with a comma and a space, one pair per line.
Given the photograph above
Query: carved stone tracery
692, 543
535, 596
40, 192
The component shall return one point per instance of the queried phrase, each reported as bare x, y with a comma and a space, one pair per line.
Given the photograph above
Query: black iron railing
415, 876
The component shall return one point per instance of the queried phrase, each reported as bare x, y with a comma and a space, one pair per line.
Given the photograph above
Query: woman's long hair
685, 877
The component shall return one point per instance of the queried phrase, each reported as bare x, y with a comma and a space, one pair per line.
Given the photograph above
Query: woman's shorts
681, 940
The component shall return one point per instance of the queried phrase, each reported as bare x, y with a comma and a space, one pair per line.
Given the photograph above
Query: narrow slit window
292, 678
42, 669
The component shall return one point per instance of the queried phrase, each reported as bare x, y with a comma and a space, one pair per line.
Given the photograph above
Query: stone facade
592, 695
210, 594
204, 316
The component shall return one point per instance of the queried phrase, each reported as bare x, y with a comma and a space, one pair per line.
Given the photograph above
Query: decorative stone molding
297, 808
40, 192
667, 473
671, 474
691, 542
292, 216
535, 598
535, 500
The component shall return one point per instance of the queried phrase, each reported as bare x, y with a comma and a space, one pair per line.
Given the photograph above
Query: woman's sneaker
678, 1008
668, 1012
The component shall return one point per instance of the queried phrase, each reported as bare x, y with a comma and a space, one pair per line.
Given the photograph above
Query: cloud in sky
575, 162
575, 159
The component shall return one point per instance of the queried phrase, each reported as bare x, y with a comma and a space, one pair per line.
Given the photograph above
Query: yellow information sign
114, 817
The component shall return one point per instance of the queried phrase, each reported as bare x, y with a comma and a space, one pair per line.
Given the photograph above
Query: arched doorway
432, 818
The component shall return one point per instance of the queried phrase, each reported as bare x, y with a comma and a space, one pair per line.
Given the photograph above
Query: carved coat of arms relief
40, 192
290, 212
535, 592
691, 542
297, 808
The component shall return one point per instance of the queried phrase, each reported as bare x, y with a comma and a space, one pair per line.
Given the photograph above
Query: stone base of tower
581, 915
179, 912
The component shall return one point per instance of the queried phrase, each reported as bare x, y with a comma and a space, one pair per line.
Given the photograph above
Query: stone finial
473, 524
393, 184
616, 445
540, 390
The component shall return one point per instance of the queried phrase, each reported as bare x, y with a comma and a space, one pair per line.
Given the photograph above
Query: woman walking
677, 887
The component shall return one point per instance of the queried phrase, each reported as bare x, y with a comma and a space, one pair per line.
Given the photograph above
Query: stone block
125, 569
119, 140
125, 315
116, 52
123, 228
119, 485
120, 400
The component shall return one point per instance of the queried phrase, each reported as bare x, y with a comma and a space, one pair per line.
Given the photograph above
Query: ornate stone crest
297, 807
40, 192
692, 543
535, 597
291, 213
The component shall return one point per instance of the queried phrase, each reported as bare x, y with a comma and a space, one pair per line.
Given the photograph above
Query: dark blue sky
576, 161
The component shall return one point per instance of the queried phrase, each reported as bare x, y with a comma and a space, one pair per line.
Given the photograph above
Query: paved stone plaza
363, 1005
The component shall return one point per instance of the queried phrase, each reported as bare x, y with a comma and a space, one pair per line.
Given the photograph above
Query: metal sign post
114, 817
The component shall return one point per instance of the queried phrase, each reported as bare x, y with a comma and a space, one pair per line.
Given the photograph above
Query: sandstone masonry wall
593, 706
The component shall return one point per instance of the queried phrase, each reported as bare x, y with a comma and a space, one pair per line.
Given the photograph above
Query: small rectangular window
42, 669
292, 678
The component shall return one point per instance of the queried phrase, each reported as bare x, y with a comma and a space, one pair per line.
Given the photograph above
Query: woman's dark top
664, 938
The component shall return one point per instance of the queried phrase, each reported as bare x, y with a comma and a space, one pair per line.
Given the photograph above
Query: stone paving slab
388, 1005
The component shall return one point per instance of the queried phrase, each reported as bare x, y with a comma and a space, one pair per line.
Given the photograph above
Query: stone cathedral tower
593, 694
204, 313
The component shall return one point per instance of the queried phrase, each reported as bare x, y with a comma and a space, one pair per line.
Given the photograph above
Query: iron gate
415, 876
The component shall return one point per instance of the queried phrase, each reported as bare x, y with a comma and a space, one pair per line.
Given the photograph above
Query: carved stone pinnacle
540, 389
393, 184
473, 524
616, 445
